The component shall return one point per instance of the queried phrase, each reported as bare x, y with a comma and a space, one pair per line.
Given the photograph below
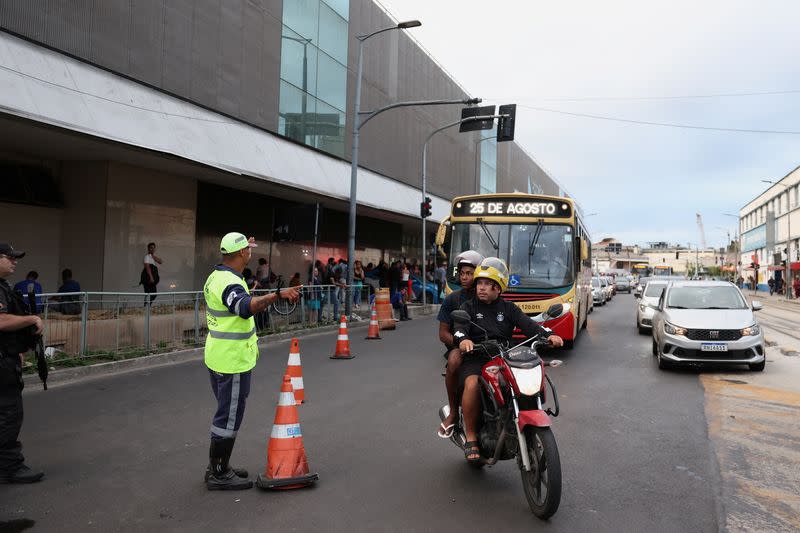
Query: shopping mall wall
227, 56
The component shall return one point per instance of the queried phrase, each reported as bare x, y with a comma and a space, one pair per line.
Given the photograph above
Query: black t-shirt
452, 301
498, 318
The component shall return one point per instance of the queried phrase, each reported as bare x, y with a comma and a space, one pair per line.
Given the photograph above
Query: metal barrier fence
124, 324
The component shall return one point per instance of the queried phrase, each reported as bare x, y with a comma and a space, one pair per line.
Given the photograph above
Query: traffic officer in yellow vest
231, 352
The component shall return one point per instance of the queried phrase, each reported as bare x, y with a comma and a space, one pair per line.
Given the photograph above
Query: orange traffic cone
295, 371
374, 331
342, 342
287, 466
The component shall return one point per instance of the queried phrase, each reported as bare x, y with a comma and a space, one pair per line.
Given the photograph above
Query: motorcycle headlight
751, 331
529, 380
674, 330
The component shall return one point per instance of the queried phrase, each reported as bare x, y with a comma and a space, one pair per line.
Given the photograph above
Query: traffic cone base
287, 466
342, 342
374, 332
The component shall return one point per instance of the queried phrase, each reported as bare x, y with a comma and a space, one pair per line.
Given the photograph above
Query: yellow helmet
495, 269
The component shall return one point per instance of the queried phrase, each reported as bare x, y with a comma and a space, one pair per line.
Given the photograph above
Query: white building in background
764, 226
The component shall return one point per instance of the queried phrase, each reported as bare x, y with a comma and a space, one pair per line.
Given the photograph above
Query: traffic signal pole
425, 187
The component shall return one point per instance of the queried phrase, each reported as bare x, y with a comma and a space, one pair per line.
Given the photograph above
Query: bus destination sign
512, 207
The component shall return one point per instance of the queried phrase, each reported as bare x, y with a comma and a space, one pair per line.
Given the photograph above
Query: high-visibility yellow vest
231, 344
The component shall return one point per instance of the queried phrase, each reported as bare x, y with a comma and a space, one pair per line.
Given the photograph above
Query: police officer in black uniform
18, 332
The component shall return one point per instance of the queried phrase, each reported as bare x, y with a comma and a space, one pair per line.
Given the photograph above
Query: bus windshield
540, 254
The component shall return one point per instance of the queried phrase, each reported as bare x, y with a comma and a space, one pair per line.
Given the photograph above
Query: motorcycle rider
498, 318
466, 263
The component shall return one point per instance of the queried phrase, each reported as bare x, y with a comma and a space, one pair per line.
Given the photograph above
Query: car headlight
642, 308
674, 330
751, 331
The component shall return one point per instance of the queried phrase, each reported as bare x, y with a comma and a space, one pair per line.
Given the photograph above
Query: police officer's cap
9, 251
233, 242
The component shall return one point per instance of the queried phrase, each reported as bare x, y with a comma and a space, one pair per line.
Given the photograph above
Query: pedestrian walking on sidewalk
150, 278
18, 332
771, 284
230, 353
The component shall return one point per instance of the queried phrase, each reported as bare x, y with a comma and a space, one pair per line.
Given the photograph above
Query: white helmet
468, 258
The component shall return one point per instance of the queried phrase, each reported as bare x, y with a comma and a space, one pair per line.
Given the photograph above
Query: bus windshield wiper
489, 236
534, 241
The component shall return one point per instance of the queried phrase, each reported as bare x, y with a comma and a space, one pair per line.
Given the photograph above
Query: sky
637, 61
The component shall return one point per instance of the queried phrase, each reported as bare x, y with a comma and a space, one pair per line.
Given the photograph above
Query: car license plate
714, 347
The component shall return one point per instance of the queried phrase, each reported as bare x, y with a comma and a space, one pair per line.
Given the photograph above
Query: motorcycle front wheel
542, 484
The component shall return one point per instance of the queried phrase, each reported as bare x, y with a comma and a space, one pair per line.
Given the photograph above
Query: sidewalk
765, 296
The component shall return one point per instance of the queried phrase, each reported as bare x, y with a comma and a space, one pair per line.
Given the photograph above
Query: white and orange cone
287, 466
374, 331
342, 342
294, 370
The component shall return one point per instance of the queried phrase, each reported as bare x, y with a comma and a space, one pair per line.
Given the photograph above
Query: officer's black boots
23, 474
222, 476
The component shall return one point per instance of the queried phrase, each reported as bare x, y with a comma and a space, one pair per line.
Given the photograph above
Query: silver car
623, 284
706, 322
598, 293
648, 301
640, 284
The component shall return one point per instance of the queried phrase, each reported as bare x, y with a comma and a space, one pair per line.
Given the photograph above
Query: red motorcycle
514, 423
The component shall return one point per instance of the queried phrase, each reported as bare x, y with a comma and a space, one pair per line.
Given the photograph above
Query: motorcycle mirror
555, 363
460, 316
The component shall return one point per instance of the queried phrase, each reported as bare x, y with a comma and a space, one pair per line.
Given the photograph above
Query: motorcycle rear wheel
542, 485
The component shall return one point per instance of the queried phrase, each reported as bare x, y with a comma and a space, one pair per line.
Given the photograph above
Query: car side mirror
757, 306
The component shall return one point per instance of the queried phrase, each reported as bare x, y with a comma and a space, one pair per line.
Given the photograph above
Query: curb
32, 382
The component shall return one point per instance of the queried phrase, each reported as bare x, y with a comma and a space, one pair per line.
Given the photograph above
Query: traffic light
505, 126
425, 207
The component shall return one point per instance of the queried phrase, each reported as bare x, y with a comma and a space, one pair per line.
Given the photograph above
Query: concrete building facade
170, 121
764, 228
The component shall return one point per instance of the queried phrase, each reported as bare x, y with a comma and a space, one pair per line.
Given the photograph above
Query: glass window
292, 122
706, 297
542, 255
474, 237
303, 17
342, 7
329, 129
294, 51
332, 34
331, 82
488, 181
654, 290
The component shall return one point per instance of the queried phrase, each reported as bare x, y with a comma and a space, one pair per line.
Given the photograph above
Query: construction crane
702, 230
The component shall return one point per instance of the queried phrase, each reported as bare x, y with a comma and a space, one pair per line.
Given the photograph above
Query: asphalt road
128, 452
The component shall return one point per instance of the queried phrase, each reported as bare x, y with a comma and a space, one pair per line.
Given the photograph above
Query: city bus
543, 241
641, 270
662, 270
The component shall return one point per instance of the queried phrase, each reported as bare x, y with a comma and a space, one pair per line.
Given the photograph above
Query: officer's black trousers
10, 414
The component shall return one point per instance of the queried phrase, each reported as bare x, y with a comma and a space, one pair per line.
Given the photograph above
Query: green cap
233, 242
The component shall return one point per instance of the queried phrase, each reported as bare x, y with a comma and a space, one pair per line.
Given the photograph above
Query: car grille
714, 334
710, 356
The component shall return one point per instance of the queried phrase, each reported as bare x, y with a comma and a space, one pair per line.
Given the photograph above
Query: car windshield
654, 290
595, 282
705, 297
540, 256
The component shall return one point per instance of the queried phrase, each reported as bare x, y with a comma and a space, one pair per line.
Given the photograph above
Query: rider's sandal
472, 448
445, 432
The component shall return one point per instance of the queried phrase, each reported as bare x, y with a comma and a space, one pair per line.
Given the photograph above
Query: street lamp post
736, 246
425, 182
358, 123
788, 237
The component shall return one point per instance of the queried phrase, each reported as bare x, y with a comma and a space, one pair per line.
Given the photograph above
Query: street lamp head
409, 24
768, 181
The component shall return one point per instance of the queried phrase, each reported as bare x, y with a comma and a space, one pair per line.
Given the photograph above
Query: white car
607, 288
645, 307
